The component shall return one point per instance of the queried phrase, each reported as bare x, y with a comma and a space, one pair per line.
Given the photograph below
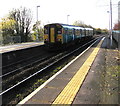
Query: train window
74, 32
90, 32
84, 32
59, 31
65, 31
70, 32
81, 32
45, 31
77, 32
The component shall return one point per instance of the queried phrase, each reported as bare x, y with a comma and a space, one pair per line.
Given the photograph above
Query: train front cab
53, 35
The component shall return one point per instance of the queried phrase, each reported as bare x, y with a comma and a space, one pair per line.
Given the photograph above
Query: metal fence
10, 40
1, 39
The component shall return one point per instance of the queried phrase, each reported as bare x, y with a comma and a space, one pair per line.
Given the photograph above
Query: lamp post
118, 11
37, 12
67, 19
111, 21
109, 24
36, 23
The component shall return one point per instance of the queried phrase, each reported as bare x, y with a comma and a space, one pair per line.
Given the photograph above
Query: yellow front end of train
53, 34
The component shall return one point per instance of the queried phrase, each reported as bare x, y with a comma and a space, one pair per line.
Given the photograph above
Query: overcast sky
91, 12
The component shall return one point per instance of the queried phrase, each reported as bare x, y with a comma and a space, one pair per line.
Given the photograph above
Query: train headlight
58, 39
46, 39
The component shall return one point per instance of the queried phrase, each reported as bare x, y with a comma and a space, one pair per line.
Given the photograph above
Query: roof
70, 26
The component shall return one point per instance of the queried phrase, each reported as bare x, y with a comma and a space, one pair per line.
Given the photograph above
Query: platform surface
99, 85
20, 46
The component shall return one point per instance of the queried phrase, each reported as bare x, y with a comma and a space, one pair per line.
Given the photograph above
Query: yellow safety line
69, 92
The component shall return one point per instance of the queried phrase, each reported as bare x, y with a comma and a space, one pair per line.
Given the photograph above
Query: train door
52, 34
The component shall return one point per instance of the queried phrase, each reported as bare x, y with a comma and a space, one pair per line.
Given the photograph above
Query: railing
10, 40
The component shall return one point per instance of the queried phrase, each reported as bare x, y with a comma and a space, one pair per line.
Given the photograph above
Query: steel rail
48, 66
22, 67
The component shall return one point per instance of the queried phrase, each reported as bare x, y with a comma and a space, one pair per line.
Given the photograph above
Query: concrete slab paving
101, 83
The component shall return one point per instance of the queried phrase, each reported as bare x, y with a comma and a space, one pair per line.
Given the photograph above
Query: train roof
70, 26
89, 28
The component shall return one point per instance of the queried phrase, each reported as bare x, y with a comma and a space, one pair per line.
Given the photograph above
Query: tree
38, 30
23, 19
79, 23
105, 31
98, 31
82, 24
0, 33
7, 27
117, 26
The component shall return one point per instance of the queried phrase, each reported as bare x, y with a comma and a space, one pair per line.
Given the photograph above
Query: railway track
29, 74
10, 68
25, 71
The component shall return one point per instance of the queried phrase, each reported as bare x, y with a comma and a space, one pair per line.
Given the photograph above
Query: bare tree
23, 19
82, 24
79, 23
38, 30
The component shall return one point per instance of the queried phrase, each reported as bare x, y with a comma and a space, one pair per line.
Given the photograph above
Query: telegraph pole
36, 23
67, 19
37, 12
111, 22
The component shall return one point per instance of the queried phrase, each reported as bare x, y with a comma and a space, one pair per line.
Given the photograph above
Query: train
116, 37
58, 35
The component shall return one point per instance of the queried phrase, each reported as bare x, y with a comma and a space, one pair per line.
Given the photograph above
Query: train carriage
116, 35
57, 35
89, 32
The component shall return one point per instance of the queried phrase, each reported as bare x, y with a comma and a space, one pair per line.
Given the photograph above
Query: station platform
4, 49
12, 54
91, 78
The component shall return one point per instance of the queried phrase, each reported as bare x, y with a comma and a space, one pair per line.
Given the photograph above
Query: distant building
119, 11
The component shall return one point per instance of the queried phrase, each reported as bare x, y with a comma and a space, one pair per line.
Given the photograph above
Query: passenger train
57, 35
116, 35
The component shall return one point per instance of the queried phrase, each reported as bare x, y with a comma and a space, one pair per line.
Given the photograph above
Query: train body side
61, 34
116, 37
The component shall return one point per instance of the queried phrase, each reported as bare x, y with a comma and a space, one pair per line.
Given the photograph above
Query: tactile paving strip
69, 92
